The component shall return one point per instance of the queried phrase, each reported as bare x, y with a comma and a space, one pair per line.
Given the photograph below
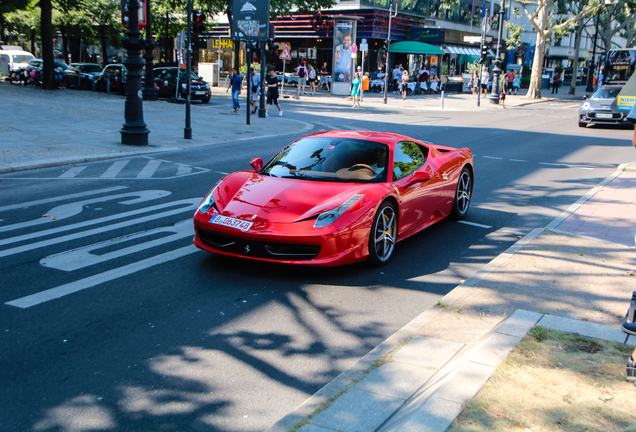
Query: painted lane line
191, 206
183, 170
220, 172
114, 169
73, 172
518, 160
61, 198
566, 165
474, 224
492, 157
68, 210
149, 169
98, 279
84, 257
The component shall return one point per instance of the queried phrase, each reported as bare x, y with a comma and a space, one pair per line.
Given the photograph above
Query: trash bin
545, 80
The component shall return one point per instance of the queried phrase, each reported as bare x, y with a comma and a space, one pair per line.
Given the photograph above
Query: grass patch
553, 381
440, 304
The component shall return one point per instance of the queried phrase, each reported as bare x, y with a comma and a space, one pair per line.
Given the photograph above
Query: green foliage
527, 70
538, 333
516, 32
472, 67
243, 68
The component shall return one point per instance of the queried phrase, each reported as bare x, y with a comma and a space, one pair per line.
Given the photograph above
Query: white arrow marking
89, 282
83, 257
61, 198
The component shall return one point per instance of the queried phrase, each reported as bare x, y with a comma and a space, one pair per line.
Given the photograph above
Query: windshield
90, 68
183, 75
331, 159
22, 58
606, 93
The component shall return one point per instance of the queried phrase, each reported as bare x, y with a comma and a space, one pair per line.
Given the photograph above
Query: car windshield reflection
331, 159
606, 93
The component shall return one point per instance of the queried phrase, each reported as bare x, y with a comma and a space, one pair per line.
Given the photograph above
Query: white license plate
199, 93
604, 115
231, 222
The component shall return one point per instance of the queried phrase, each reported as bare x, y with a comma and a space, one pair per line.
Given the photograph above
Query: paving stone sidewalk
564, 277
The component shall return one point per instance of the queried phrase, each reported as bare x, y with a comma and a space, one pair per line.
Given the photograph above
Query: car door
417, 186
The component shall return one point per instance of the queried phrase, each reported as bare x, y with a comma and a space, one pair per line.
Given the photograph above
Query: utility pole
388, 51
496, 71
150, 93
590, 74
187, 132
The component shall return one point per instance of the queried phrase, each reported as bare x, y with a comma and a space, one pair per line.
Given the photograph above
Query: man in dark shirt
236, 82
324, 73
272, 93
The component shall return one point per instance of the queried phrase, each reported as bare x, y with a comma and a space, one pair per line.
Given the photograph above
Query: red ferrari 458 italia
334, 198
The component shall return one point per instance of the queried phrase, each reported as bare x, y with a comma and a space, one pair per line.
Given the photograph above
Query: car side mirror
200, 78
420, 177
257, 163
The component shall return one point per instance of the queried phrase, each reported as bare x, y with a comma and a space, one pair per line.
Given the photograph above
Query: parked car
58, 70
112, 78
166, 80
601, 108
82, 75
13, 60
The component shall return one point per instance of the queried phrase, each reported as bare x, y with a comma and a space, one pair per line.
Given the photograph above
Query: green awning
412, 47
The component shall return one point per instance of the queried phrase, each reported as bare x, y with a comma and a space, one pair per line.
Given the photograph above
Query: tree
104, 16
614, 18
545, 21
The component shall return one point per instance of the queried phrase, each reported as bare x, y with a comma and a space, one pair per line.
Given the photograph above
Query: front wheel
383, 235
16, 77
463, 194
205, 99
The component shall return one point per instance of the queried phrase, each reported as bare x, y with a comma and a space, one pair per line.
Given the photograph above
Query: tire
205, 100
581, 124
383, 234
16, 78
463, 194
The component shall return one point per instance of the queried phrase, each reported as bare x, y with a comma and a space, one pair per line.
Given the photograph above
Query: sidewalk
52, 128
576, 275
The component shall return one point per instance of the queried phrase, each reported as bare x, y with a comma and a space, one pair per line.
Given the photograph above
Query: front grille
259, 249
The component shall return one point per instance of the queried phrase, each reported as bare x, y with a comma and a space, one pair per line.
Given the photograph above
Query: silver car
601, 108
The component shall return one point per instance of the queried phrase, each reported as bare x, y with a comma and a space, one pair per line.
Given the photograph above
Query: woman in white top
311, 78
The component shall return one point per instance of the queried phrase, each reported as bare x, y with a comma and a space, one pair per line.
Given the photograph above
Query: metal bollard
442, 99
108, 86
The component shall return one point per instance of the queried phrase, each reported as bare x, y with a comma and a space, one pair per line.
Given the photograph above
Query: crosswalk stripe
98, 279
114, 169
70, 173
183, 170
149, 169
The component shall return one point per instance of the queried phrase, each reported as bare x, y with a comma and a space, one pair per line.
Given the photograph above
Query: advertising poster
627, 97
250, 20
343, 65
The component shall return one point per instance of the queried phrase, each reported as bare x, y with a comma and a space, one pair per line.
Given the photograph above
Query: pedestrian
485, 76
516, 83
434, 84
601, 77
503, 79
324, 74
511, 79
355, 90
555, 83
301, 71
236, 83
474, 83
405, 83
365, 85
397, 73
502, 98
272, 93
255, 89
311, 79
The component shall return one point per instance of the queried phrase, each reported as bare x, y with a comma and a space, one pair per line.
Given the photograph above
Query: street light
590, 74
496, 71
388, 51
150, 92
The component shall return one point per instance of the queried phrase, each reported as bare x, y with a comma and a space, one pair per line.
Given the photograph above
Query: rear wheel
383, 235
16, 77
463, 194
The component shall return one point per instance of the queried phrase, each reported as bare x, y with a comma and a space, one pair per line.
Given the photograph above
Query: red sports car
334, 198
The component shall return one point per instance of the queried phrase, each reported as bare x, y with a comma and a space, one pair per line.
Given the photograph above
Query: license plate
231, 222
604, 115
199, 93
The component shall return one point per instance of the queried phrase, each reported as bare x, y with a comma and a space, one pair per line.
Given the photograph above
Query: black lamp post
150, 93
496, 71
590, 73
261, 102
134, 131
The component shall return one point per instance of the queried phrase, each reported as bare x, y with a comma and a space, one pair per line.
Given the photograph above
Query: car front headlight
586, 106
206, 86
208, 201
329, 217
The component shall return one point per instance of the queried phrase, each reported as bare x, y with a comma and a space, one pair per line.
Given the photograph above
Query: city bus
619, 65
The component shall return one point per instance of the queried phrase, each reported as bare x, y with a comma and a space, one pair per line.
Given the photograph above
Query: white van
13, 59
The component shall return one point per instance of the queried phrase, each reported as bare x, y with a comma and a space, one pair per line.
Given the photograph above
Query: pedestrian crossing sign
285, 55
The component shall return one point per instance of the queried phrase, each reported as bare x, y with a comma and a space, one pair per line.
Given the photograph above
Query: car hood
602, 103
251, 196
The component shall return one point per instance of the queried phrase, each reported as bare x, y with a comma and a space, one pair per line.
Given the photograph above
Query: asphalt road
111, 320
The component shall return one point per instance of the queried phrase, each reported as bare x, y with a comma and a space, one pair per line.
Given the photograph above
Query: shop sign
250, 20
223, 44
426, 34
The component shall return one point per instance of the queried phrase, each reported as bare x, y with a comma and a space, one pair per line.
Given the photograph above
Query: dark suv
166, 80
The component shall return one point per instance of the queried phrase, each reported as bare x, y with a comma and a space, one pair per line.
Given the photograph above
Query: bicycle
17, 77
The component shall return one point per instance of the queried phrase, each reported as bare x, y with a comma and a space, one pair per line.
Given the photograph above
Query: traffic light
272, 48
483, 56
272, 31
198, 22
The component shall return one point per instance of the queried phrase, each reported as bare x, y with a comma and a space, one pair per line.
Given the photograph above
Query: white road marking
72, 172
220, 172
67, 210
191, 206
474, 224
83, 257
149, 169
183, 170
518, 160
492, 157
114, 169
61, 198
89, 282
566, 165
